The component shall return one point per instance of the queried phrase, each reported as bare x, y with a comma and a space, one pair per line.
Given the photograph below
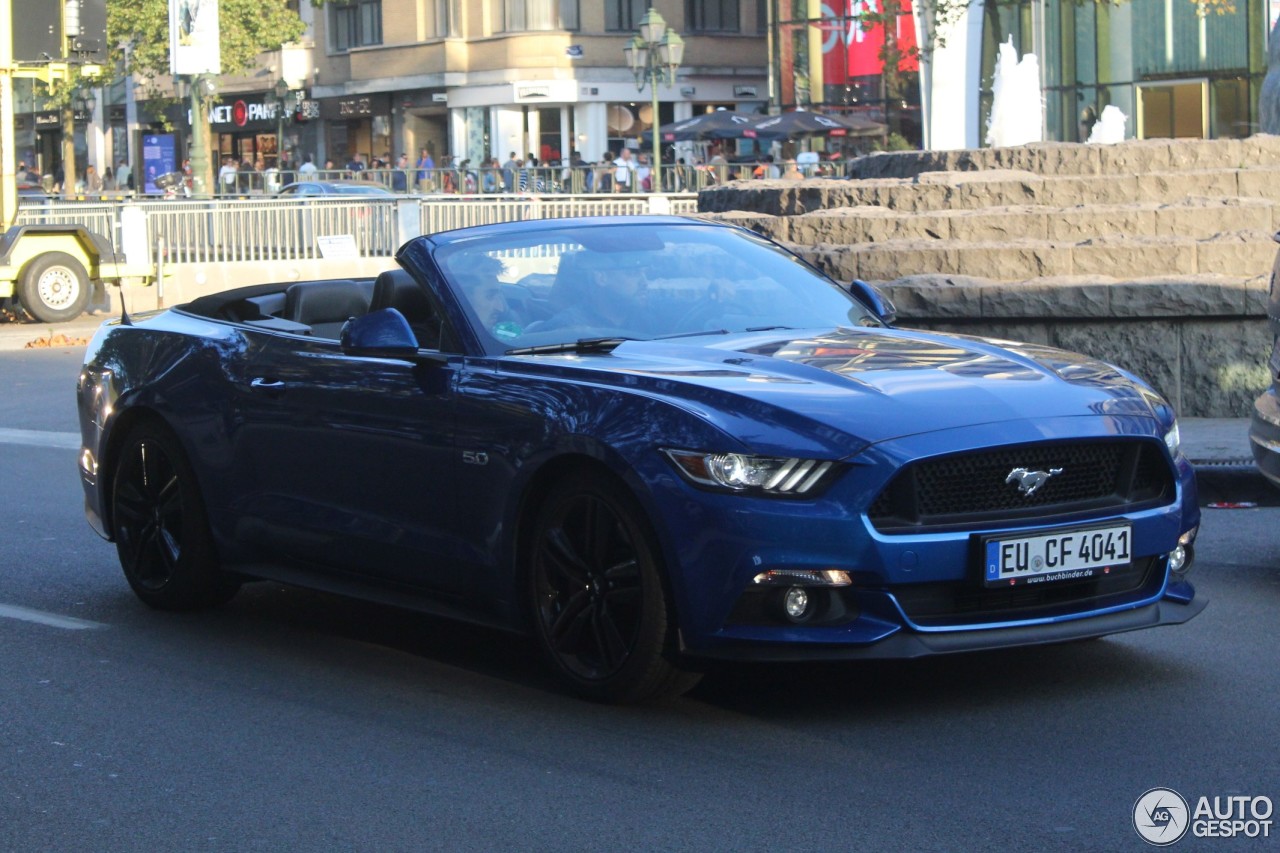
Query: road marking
40, 438
53, 620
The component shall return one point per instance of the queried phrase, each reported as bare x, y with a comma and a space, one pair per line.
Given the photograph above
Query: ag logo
1161, 817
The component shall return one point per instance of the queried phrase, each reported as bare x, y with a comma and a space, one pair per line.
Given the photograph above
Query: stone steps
1241, 254
1197, 218
1135, 157
939, 191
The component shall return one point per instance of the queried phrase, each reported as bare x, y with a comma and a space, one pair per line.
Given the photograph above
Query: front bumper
909, 644
1264, 435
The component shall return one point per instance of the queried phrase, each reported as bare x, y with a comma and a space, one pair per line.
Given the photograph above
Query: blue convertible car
645, 442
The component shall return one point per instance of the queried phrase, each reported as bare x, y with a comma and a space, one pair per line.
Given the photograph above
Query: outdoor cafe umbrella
804, 123
721, 124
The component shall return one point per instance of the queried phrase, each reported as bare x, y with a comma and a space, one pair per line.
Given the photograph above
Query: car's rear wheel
54, 288
161, 530
600, 609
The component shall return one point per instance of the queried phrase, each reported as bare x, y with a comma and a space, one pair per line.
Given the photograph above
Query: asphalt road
290, 720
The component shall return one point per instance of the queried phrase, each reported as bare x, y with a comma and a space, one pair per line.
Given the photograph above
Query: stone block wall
1154, 255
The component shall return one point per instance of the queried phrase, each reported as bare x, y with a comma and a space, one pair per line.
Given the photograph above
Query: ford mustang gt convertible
645, 442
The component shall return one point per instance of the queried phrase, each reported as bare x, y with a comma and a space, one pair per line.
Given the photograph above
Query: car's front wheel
161, 530
599, 607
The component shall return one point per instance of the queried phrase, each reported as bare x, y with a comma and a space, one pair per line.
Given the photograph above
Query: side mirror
379, 334
879, 304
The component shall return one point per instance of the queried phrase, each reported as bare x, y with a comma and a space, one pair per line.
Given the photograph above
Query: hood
849, 388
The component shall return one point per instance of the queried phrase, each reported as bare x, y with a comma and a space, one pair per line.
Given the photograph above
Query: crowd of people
89, 181
623, 171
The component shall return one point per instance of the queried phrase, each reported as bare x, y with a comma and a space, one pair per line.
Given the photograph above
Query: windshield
637, 281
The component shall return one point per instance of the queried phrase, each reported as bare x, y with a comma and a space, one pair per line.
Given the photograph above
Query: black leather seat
397, 289
325, 305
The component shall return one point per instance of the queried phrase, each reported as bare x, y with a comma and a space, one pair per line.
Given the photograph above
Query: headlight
1173, 439
740, 473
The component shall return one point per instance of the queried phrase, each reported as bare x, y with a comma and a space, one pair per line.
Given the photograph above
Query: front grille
969, 602
970, 488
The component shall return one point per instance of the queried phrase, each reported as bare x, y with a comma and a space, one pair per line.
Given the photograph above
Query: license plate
1058, 556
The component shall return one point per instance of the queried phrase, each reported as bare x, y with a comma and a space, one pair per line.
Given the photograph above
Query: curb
1234, 483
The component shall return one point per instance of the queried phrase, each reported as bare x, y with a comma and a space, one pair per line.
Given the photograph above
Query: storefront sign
53, 120
355, 107
242, 113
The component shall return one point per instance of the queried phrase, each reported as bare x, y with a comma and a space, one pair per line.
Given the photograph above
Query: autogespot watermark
1162, 817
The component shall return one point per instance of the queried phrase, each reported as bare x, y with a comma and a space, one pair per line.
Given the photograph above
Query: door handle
265, 384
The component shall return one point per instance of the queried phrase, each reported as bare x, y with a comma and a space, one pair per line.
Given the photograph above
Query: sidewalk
14, 335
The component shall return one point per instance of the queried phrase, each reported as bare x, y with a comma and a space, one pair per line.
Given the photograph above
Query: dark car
334, 188
31, 194
646, 442
1264, 429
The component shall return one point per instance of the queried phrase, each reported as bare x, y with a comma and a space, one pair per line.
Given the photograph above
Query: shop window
355, 23
536, 15
1231, 108
1172, 110
623, 16
711, 16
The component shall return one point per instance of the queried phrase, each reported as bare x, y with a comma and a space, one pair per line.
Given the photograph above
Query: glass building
1175, 68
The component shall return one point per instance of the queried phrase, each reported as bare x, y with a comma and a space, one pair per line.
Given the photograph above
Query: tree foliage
139, 33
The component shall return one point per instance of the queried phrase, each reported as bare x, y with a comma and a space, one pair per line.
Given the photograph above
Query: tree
138, 30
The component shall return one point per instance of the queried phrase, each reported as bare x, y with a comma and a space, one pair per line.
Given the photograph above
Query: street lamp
654, 56
200, 87
279, 100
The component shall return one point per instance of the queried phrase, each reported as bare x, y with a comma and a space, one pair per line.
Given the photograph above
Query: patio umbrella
721, 124
804, 123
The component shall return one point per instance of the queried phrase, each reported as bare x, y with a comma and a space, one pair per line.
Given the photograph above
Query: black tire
599, 607
54, 288
160, 527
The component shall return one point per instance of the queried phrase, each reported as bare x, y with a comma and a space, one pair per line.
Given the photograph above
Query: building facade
1175, 68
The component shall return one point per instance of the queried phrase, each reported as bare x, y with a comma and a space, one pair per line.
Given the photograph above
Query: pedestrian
623, 169
92, 180
400, 177
426, 167
227, 176
124, 175
644, 175
509, 169
307, 171
604, 173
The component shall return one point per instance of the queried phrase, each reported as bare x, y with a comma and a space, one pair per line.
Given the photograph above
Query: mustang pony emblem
1029, 481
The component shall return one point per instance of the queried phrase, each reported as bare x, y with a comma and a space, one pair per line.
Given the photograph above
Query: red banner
849, 51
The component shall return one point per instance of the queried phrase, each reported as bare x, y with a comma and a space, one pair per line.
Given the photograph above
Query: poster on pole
157, 159
193, 37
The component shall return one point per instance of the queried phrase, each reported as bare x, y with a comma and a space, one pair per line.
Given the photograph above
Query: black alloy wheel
161, 530
599, 606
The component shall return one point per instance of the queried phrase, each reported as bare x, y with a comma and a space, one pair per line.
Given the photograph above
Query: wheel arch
535, 493
121, 427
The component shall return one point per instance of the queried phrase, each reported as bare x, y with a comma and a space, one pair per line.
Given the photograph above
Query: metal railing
463, 213
225, 230
100, 217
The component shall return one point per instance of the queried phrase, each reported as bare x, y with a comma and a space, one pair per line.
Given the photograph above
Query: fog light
796, 603
1178, 560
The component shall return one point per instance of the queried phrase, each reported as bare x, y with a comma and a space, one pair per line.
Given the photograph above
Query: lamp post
654, 56
278, 99
200, 87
